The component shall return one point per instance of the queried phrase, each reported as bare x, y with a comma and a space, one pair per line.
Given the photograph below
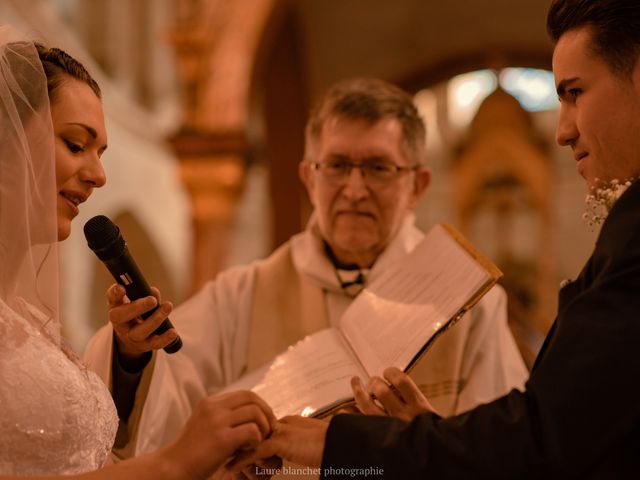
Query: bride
57, 417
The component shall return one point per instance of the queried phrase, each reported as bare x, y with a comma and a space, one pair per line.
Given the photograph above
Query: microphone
106, 241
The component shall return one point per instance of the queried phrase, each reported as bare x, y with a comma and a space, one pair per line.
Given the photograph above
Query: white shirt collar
310, 259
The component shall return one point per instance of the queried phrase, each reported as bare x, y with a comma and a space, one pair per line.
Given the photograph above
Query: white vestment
473, 362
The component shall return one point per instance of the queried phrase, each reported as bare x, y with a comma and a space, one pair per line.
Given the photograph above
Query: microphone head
103, 237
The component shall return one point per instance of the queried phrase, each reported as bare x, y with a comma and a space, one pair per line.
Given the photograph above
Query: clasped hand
297, 439
220, 426
301, 440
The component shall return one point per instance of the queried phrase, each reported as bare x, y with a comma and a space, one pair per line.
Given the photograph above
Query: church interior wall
141, 171
127, 44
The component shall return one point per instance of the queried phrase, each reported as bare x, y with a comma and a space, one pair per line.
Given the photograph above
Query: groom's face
599, 110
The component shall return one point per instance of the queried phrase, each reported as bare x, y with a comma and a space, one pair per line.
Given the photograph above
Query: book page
311, 376
392, 319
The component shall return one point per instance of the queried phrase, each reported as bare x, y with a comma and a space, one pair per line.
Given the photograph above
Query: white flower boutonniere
601, 200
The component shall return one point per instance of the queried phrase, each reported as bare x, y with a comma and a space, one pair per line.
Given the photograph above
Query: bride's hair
57, 64
31, 77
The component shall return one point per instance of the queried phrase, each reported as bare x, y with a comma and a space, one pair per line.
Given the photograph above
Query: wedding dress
56, 417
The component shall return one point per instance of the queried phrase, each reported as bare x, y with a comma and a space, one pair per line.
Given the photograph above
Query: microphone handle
126, 272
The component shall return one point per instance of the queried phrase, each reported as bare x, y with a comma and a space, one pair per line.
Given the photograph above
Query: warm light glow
307, 412
466, 92
534, 89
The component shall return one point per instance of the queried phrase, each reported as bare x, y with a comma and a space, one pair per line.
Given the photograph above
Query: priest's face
361, 209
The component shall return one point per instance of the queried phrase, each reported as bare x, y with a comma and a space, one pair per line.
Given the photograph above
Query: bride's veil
28, 221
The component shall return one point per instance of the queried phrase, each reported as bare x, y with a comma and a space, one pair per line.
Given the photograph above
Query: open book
392, 322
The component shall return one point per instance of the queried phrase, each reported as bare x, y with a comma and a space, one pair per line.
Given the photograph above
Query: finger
248, 414
363, 398
386, 396
156, 342
266, 449
246, 437
404, 385
295, 443
116, 295
131, 346
297, 421
145, 329
245, 397
156, 293
122, 314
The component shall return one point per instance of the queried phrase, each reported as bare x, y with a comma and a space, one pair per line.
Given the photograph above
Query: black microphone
105, 239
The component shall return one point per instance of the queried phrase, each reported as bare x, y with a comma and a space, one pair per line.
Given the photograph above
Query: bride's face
80, 140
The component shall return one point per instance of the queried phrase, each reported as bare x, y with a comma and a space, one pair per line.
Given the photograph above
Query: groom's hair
614, 26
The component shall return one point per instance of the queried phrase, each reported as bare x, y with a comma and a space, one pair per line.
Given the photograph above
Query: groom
579, 416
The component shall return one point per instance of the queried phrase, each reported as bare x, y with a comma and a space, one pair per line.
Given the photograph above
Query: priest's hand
398, 396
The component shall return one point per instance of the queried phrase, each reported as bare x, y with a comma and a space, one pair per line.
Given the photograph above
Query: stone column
212, 169
216, 44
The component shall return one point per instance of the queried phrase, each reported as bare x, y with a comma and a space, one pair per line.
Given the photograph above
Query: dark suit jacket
580, 414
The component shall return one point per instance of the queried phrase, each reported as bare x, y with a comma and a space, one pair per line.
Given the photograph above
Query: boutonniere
601, 199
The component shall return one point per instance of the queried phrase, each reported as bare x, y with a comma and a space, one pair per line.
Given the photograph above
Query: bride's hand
220, 426
134, 335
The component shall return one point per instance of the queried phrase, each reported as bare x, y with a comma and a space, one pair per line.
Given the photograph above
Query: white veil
56, 418
28, 219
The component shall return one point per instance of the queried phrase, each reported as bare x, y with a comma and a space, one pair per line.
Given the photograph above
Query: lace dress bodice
57, 417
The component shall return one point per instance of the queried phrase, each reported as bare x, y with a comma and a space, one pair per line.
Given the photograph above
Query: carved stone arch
504, 169
432, 74
216, 43
500, 153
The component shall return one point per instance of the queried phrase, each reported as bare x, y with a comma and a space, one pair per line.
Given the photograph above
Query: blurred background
206, 102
